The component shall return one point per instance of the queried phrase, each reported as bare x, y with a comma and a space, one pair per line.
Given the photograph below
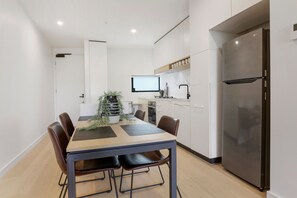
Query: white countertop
167, 99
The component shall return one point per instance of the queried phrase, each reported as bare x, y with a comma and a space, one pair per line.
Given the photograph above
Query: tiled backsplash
174, 80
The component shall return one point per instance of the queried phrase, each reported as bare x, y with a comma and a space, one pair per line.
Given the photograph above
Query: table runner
98, 133
141, 129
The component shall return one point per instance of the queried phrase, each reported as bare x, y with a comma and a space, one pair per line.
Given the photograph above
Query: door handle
82, 96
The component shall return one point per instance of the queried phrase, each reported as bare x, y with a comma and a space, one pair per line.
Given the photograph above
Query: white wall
125, 62
26, 82
283, 100
96, 74
174, 80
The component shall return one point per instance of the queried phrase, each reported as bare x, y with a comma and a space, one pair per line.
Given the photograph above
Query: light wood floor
36, 176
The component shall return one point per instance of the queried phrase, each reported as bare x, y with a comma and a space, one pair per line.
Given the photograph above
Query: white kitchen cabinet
174, 46
144, 108
241, 5
204, 16
199, 68
186, 38
200, 131
163, 107
206, 67
95, 70
178, 43
142, 105
181, 111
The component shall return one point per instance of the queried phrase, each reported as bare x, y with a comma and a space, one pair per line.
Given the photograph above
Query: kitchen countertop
168, 99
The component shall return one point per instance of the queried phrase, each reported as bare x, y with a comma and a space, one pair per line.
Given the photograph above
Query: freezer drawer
242, 130
243, 56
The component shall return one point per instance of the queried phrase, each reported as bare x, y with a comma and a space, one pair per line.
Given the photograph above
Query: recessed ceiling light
133, 31
60, 23
236, 42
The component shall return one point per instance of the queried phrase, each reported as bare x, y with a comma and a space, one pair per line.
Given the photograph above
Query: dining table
126, 137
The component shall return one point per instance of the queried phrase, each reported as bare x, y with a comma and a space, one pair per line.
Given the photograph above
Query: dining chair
139, 114
137, 161
85, 167
67, 124
69, 129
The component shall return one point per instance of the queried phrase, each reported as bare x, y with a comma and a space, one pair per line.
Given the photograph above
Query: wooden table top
122, 139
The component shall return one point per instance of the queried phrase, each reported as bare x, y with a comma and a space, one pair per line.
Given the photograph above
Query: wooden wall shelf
176, 66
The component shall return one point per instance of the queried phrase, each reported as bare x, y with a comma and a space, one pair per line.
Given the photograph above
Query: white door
69, 85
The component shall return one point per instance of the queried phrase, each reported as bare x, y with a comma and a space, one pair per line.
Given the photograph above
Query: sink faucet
185, 85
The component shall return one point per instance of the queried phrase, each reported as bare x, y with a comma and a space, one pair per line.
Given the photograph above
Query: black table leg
173, 178
71, 177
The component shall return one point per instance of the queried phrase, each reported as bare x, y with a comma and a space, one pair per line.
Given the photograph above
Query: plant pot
113, 119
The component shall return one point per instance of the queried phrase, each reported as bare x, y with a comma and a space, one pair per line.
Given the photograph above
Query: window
145, 83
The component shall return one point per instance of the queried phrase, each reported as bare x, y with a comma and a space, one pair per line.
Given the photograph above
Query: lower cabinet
200, 130
182, 112
143, 107
163, 107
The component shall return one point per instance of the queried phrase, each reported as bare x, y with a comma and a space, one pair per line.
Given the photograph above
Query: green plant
103, 112
103, 108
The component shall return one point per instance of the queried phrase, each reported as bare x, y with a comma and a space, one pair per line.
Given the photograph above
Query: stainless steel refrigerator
246, 107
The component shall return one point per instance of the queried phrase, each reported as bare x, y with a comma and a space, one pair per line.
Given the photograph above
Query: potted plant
110, 107
110, 111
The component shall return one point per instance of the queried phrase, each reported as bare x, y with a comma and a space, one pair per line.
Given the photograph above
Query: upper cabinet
203, 16
174, 46
241, 5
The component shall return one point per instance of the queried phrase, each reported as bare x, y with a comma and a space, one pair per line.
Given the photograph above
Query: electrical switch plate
294, 32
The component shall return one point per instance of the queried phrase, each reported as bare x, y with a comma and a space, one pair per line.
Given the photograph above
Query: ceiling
105, 20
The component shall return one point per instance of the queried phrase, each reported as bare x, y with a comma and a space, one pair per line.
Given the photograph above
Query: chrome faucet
185, 85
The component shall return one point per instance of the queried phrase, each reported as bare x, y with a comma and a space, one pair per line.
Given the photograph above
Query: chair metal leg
59, 183
158, 184
127, 174
161, 176
89, 180
121, 180
65, 187
131, 187
115, 184
110, 184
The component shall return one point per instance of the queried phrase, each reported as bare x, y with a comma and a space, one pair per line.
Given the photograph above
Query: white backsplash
174, 80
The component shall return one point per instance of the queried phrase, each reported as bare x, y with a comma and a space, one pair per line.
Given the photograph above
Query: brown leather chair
136, 161
67, 124
139, 114
60, 142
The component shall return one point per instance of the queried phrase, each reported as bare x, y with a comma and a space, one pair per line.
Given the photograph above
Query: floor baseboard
271, 195
209, 160
17, 158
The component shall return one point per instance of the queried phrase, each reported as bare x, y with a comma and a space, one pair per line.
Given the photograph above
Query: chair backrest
169, 124
60, 142
67, 124
139, 114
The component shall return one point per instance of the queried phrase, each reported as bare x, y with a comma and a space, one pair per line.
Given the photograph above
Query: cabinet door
163, 108
182, 112
144, 108
241, 5
204, 16
186, 38
174, 46
199, 68
178, 43
200, 119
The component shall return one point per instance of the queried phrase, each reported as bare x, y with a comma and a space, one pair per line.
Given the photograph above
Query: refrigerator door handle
242, 81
